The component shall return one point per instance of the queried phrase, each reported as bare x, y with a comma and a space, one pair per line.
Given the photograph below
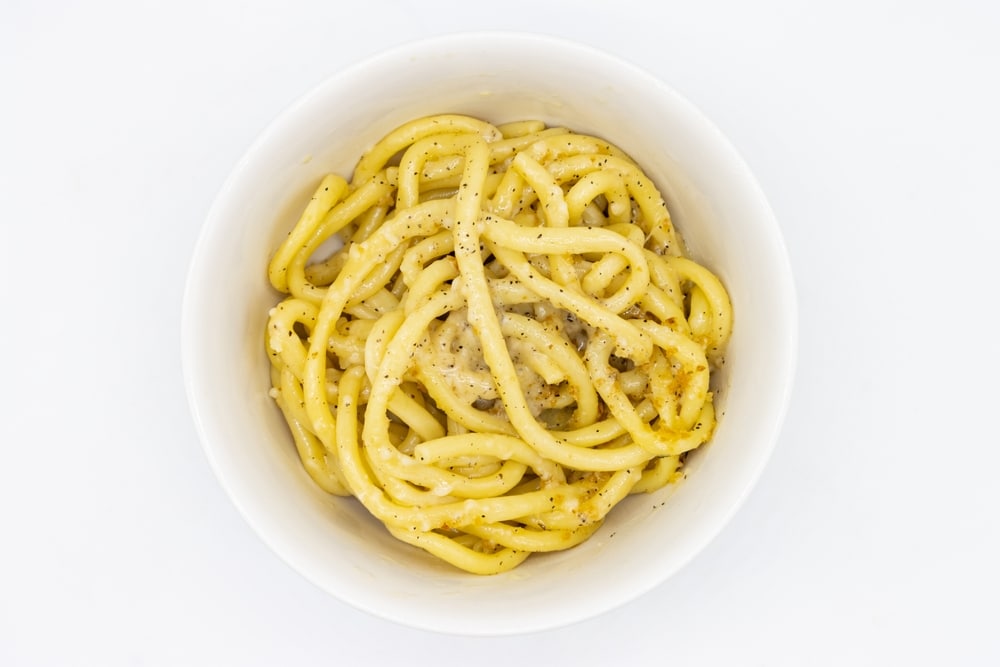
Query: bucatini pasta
507, 343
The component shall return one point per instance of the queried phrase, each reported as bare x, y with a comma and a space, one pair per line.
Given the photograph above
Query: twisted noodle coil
507, 342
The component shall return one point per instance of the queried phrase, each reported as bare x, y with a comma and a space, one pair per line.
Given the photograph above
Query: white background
872, 537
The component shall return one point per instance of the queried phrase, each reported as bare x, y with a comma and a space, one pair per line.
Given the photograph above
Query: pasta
507, 342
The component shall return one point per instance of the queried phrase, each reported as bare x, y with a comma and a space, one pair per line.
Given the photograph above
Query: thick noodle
507, 343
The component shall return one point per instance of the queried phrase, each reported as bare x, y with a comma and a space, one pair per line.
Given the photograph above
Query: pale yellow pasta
508, 341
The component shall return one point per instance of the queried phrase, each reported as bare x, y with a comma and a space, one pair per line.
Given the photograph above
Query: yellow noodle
507, 342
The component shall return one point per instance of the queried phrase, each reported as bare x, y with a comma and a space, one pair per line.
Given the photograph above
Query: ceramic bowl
718, 208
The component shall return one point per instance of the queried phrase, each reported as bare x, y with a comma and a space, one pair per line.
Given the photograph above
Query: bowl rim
189, 319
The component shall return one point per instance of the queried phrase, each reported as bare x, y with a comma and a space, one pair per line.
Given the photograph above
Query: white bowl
333, 542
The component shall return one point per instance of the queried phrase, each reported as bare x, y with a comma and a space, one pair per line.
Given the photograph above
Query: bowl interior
719, 210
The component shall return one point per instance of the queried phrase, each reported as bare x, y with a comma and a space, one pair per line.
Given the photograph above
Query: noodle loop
507, 343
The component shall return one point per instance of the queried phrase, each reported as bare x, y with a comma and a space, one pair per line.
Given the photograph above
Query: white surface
872, 537
715, 201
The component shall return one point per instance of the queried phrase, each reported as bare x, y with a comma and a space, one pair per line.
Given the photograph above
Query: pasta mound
507, 343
